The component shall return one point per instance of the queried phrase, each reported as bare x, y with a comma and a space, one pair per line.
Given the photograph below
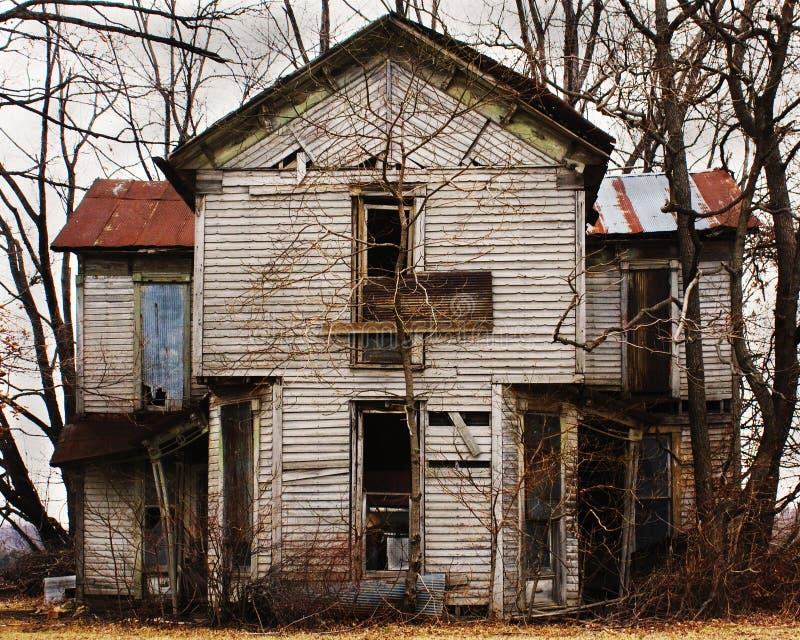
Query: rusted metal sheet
104, 435
128, 214
628, 204
439, 301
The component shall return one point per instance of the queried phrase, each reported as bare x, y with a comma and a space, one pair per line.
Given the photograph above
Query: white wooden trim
80, 366
580, 279
197, 288
496, 602
675, 368
418, 252
255, 413
623, 306
277, 471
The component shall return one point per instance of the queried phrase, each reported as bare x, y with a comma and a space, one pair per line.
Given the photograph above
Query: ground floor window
386, 490
654, 515
236, 424
542, 490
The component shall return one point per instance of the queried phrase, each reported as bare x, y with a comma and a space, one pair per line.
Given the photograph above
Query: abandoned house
402, 211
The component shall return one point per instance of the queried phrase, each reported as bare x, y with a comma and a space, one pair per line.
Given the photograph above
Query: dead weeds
26, 619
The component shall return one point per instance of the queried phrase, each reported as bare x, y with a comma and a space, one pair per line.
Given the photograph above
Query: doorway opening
385, 490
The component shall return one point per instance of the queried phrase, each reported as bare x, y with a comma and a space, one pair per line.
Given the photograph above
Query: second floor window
163, 341
378, 230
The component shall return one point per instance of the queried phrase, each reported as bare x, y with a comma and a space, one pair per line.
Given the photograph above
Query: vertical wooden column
496, 601
277, 471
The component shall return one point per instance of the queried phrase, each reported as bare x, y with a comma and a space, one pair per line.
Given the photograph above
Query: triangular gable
429, 128
511, 102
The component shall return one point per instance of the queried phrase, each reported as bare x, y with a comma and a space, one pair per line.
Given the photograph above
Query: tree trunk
689, 252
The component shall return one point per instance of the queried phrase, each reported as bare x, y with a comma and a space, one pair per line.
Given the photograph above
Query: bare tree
39, 187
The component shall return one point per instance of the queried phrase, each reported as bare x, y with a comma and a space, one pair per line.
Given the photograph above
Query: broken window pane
163, 311
237, 464
653, 491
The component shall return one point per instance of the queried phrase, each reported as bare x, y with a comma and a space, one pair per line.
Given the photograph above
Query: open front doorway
384, 491
602, 496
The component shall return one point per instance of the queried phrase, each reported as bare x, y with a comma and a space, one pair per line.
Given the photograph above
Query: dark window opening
290, 161
384, 229
156, 553
653, 491
542, 455
471, 418
380, 238
386, 490
237, 464
459, 464
649, 343
163, 315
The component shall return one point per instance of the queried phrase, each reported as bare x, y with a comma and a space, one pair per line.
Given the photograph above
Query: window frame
144, 278
357, 494
673, 436
362, 201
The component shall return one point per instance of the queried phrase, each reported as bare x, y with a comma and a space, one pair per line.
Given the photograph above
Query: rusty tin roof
629, 204
128, 214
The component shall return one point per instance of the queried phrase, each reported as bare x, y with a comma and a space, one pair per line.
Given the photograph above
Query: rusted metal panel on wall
438, 300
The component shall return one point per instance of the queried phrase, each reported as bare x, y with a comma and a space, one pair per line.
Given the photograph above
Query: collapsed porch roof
105, 435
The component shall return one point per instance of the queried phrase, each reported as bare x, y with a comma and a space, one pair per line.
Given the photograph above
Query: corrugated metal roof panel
629, 204
128, 214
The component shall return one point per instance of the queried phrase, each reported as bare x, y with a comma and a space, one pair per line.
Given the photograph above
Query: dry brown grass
21, 620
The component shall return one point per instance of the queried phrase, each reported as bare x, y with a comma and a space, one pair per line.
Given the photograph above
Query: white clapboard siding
277, 268
497, 147
108, 356
108, 343
113, 502
604, 284
603, 311
446, 443
715, 326
720, 431
458, 531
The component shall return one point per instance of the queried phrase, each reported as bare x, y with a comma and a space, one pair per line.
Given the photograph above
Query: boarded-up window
649, 346
237, 466
542, 444
653, 490
163, 316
